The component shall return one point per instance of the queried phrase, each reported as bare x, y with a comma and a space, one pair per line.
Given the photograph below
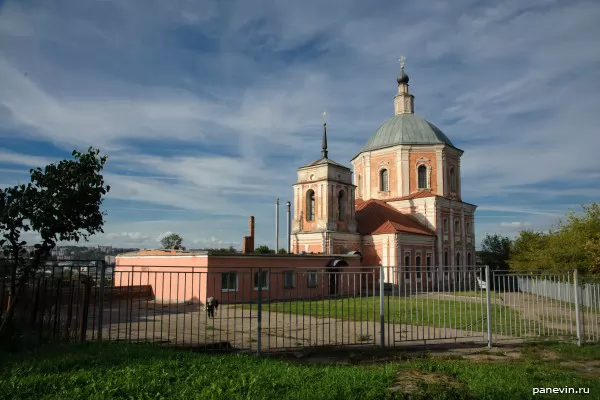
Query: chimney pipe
277, 226
289, 227
251, 227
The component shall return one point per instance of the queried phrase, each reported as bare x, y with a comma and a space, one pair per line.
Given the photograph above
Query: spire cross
324, 142
402, 62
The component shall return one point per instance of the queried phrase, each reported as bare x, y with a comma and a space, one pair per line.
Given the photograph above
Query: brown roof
376, 217
417, 195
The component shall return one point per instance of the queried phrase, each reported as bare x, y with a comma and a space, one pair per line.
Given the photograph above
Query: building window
457, 259
229, 282
446, 225
310, 205
422, 175
456, 227
418, 266
469, 259
428, 263
311, 279
452, 180
359, 181
384, 180
341, 206
468, 226
289, 280
261, 279
407, 266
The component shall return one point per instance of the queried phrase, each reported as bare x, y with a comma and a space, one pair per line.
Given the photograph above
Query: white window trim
293, 286
428, 268
268, 280
379, 186
427, 176
236, 282
407, 270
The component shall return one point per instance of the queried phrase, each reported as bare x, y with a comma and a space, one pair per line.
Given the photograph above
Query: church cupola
404, 102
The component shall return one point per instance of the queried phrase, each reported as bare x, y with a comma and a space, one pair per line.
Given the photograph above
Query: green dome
406, 129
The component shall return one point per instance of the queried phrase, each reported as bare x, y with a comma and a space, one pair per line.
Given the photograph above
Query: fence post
381, 307
488, 305
85, 306
100, 297
259, 327
577, 311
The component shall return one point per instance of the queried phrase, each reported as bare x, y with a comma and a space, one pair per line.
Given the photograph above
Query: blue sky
206, 108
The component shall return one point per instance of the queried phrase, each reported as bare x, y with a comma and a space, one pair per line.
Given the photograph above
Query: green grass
151, 372
441, 313
120, 371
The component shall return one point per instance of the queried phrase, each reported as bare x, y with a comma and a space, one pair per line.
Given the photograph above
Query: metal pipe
577, 308
289, 227
277, 226
488, 303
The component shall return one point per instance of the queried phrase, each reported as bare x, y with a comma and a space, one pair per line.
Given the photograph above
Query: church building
400, 204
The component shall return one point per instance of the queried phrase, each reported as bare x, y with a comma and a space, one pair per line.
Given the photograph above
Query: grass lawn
121, 371
428, 311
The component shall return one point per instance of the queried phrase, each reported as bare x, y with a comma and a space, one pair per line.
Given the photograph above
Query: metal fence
270, 309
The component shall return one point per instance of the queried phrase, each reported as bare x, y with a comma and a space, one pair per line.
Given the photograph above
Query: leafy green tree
224, 250
571, 244
264, 249
61, 203
282, 251
172, 241
495, 251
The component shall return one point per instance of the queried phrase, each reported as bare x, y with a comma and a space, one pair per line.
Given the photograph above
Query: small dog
211, 305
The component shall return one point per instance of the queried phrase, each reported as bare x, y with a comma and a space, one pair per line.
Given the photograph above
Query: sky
207, 108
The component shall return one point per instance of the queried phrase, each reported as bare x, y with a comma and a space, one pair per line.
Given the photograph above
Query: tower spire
404, 101
324, 142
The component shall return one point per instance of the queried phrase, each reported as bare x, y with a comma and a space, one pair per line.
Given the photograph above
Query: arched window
446, 258
422, 175
469, 259
457, 259
341, 206
407, 266
310, 205
452, 180
418, 265
456, 227
384, 180
445, 225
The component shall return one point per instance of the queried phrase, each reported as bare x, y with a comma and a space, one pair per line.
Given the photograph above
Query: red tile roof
376, 217
417, 195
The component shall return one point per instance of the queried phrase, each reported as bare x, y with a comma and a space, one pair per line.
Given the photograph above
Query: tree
571, 244
495, 252
172, 241
264, 249
61, 203
282, 251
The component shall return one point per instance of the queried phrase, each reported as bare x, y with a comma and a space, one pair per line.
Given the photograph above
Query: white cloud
205, 110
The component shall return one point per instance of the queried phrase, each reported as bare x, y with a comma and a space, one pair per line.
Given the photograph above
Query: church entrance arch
333, 271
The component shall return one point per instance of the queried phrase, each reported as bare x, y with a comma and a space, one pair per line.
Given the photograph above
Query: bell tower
324, 210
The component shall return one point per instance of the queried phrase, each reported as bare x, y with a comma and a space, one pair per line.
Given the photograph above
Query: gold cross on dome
402, 62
